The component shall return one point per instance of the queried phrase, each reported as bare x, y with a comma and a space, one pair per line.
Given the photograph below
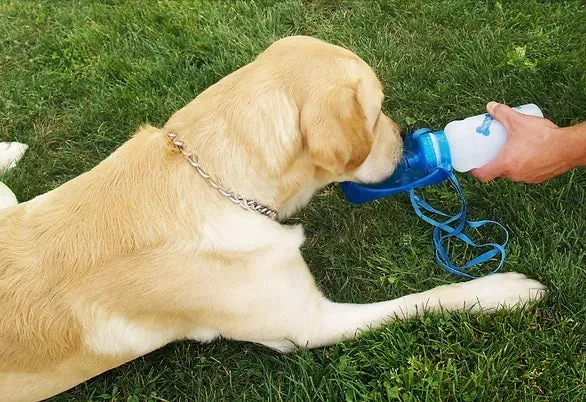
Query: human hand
533, 152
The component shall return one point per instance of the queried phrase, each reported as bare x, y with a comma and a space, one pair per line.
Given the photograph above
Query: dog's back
49, 248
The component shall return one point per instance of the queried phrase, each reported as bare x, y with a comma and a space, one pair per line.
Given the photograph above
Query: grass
77, 77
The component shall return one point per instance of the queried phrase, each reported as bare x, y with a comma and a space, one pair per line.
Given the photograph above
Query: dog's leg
7, 197
10, 154
335, 321
315, 321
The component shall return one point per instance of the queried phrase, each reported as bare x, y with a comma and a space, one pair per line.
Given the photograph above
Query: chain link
249, 205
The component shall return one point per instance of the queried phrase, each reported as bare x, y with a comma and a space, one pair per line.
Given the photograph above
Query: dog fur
141, 251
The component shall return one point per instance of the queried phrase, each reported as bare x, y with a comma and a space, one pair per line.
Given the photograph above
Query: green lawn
78, 77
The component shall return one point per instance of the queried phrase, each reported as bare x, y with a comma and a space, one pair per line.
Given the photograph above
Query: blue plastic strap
443, 231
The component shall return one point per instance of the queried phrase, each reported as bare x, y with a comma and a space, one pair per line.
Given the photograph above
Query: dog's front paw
10, 154
7, 197
506, 290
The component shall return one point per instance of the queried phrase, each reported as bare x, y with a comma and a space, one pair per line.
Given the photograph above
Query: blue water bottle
425, 161
430, 157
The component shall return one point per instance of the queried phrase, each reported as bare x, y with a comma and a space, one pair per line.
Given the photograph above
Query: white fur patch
113, 335
250, 231
203, 335
10, 154
7, 197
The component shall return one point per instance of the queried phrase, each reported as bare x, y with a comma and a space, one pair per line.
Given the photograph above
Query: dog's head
303, 114
344, 134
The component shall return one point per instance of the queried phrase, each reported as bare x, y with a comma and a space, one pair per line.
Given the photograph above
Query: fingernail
490, 106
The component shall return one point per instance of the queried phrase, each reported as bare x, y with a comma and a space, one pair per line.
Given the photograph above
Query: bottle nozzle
409, 160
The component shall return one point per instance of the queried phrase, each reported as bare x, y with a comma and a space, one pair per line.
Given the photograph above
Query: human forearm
575, 143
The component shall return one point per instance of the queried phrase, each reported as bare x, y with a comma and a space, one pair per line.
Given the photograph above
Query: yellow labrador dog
176, 234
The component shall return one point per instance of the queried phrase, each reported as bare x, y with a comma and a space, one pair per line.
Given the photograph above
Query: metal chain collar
237, 199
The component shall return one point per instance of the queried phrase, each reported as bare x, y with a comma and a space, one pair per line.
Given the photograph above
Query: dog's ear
336, 130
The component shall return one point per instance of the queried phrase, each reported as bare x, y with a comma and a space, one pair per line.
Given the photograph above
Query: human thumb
502, 113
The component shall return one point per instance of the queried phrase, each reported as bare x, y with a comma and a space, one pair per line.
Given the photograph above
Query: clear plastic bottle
475, 141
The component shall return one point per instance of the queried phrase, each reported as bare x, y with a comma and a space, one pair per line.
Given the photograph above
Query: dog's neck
255, 153
276, 197
222, 189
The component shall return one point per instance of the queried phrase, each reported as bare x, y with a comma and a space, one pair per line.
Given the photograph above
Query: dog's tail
10, 154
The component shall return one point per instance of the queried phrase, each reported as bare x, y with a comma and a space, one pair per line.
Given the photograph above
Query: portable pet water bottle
475, 141
430, 157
